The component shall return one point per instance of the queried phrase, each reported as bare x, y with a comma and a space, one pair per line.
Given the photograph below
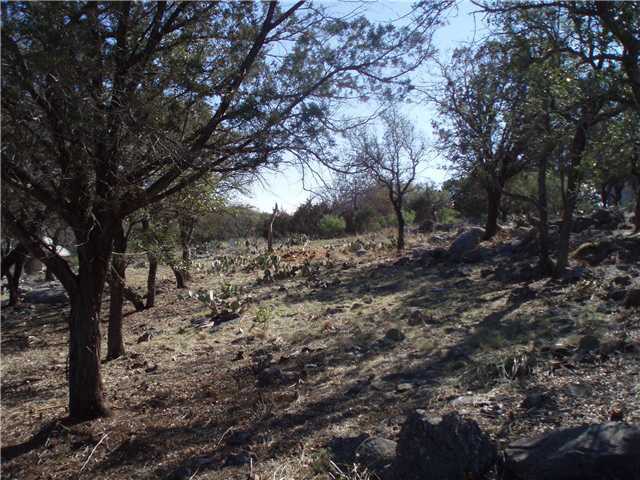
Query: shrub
332, 225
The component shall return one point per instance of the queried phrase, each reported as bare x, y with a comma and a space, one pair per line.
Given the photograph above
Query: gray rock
181, 473
343, 449
611, 346
622, 280
466, 241
608, 451
632, 298
617, 295
578, 390
534, 400
594, 253
442, 448
404, 387
376, 453
46, 296
270, 376
588, 343
395, 335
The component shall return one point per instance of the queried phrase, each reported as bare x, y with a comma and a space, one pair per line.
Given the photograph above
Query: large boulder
594, 253
602, 219
442, 448
608, 451
607, 219
466, 242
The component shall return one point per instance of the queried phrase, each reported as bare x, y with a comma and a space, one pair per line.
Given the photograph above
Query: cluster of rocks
453, 447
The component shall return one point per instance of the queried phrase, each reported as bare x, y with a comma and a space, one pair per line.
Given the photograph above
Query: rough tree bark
86, 395
570, 198
494, 196
397, 207
545, 264
151, 280
15, 258
115, 341
181, 280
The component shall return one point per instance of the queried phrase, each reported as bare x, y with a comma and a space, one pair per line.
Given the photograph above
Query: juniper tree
110, 107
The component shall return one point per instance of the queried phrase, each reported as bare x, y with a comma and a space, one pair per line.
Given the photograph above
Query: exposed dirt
315, 356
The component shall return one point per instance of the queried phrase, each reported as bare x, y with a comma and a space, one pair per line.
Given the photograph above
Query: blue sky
286, 187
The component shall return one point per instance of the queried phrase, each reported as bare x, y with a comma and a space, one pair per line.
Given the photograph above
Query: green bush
449, 215
409, 216
332, 225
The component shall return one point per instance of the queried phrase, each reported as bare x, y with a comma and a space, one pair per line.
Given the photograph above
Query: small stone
376, 453
395, 335
578, 390
404, 387
588, 343
237, 459
239, 438
463, 400
534, 400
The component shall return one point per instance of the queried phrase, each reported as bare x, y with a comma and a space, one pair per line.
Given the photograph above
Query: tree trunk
617, 193
86, 396
545, 263
13, 280
181, 280
573, 185
604, 195
636, 220
401, 225
95, 241
134, 298
48, 275
187, 226
274, 214
15, 259
494, 196
151, 280
115, 342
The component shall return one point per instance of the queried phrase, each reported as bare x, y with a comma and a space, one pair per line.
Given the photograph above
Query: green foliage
449, 215
331, 226
275, 269
263, 317
222, 307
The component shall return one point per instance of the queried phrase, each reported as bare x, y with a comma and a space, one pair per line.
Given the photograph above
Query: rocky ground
308, 365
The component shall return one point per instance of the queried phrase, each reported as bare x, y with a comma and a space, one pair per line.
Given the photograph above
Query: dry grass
180, 398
